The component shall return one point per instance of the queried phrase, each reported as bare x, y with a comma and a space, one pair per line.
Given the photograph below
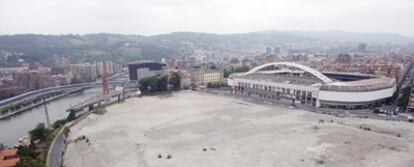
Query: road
366, 113
56, 149
14, 99
94, 100
55, 154
407, 81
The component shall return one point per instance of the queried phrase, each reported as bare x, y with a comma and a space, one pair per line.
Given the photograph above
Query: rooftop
296, 80
142, 62
9, 162
8, 158
360, 85
7, 152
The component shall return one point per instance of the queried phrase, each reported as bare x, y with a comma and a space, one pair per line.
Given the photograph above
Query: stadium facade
297, 84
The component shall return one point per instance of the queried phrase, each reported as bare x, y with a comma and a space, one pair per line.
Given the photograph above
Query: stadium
297, 84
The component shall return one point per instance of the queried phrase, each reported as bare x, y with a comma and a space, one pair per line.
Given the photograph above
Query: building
33, 79
8, 158
270, 58
117, 68
298, 57
268, 51
109, 68
277, 50
63, 63
85, 72
185, 80
140, 69
344, 58
9, 91
17, 80
296, 84
204, 76
176, 64
362, 47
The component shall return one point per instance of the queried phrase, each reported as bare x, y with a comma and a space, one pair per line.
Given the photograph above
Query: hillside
123, 48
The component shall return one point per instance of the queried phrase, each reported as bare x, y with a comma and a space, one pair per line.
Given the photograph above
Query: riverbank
18, 125
40, 103
57, 147
202, 129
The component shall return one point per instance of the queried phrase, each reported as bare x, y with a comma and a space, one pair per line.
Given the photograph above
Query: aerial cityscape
111, 84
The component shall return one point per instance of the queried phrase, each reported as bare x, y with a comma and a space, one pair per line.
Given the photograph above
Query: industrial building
141, 69
294, 84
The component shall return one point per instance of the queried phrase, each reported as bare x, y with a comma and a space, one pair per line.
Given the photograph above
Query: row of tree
35, 157
405, 98
235, 70
27, 102
217, 85
160, 83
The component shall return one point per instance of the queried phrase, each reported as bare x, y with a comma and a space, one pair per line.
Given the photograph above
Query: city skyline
222, 17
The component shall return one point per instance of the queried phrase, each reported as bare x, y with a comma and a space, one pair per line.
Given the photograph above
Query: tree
71, 116
39, 133
405, 98
236, 70
29, 162
175, 81
59, 123
26, 151
234, 60
153, 84
162, 83
147, 84
216, 85
75, 81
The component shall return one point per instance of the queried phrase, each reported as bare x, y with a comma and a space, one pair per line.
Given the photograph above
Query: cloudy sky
149, 17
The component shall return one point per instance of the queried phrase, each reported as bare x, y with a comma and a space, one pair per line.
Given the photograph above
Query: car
410, 118
382, 115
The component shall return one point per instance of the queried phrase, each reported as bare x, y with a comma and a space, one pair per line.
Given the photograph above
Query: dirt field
201, 130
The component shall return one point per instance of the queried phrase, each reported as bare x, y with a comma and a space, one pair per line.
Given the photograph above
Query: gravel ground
203, 130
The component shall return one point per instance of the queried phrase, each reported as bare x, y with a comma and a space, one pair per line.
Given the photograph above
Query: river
14, 127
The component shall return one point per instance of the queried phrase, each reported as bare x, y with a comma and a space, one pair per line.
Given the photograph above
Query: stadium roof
360, 85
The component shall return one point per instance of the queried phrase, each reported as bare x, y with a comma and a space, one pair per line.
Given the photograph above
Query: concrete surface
202, 130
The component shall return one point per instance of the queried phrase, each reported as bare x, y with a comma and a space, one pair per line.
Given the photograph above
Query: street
56, 151
365, 113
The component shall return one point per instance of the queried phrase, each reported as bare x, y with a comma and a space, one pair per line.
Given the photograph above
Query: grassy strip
160, 93
35, 155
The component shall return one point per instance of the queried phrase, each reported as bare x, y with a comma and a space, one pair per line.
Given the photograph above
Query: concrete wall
349, 97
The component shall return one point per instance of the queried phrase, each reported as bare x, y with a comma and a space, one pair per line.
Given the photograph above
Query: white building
293, 84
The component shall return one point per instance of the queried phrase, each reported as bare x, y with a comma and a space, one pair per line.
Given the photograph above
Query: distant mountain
123, 48
344, 36
91, 47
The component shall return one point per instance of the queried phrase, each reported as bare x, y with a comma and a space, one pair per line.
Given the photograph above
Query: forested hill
122, 48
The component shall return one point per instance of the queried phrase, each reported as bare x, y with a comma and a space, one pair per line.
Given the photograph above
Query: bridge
36, 104
91, 102
57, 88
